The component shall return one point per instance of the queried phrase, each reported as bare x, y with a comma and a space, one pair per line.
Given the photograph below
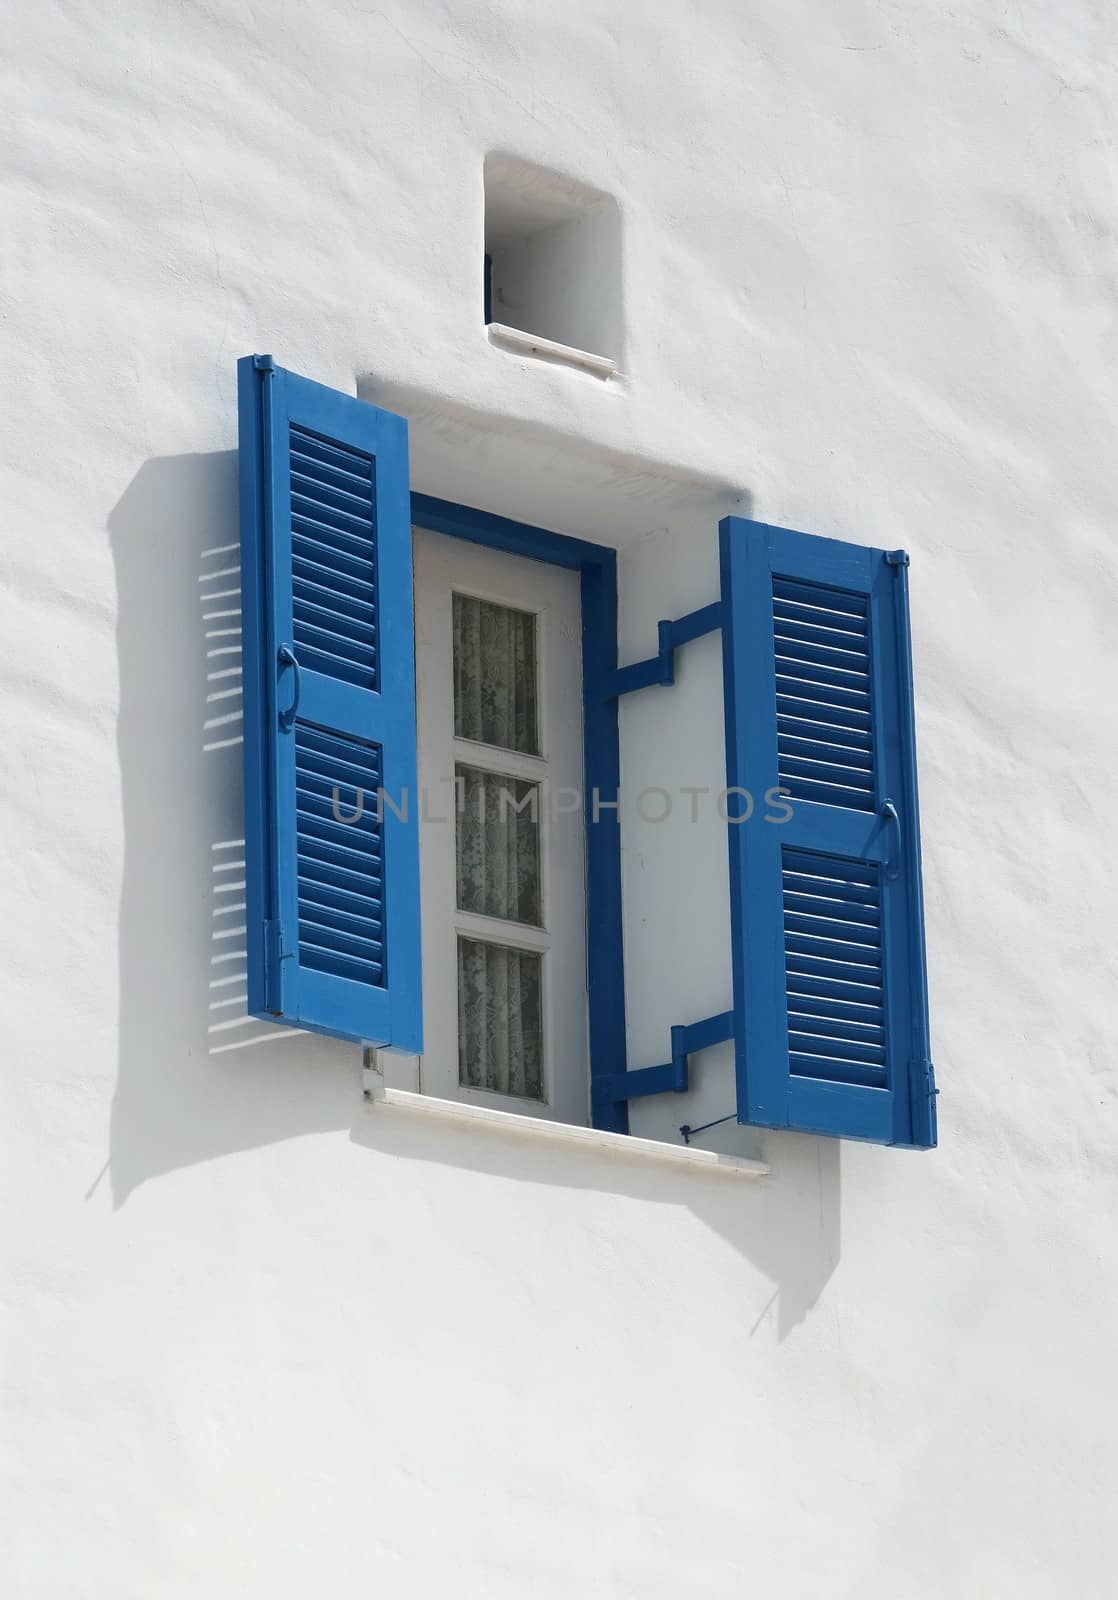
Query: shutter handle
891, 814
288, 658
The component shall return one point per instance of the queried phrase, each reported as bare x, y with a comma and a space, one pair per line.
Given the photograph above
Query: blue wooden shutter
830, 993
329, 693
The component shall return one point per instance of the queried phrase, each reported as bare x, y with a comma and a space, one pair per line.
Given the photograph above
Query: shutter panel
329, 691
830, 992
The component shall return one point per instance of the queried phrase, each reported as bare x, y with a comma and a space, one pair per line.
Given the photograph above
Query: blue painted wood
674, 1075
923, 1086
502, 533
332, 908
710, 1031
707, 619
605, 966
660, 668
827, 945
640, 1081
605, 959
257, 679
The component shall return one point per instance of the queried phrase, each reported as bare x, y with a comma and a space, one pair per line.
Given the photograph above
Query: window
519, 968
498, 665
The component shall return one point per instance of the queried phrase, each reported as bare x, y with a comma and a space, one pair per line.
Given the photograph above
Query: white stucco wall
262, 1340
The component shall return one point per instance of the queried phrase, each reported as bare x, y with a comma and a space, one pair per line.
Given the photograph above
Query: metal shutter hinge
923, 1078
896, 558
276, 943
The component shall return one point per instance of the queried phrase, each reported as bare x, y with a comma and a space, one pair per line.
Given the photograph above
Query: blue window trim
597, 568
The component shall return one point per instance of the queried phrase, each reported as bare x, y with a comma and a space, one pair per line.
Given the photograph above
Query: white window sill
533, 344
516, 1126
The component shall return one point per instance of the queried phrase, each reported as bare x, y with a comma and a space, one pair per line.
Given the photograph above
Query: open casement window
498, 655
519, 973
830, 994
332, 885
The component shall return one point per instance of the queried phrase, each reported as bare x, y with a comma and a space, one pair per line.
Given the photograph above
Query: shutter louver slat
838, 972
350, 602
842, 652
822, 1040
834, 688
332, 548
324, 931
320, 844
830, 770
829, 608
319, 567
323, 910
335, 529
826, 928
822, 680
815, 720
332, 654
332, 619
319, 864
846, 738
337, 471
846, 909
308, 445
829, 753
316, 485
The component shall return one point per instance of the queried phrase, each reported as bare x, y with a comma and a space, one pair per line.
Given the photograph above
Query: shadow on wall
197, 1077
787, 1225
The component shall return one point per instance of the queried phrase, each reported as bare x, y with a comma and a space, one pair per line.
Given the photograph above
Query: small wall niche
553, 263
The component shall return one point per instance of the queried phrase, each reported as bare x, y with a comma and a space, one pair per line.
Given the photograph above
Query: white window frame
444, 564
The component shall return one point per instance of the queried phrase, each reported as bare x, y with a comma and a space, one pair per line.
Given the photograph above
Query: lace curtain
500, 1038
498, 846
495, 675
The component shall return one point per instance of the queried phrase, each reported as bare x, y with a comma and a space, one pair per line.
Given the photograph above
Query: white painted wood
442, 566
513, 762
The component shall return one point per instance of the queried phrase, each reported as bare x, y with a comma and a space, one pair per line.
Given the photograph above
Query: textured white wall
260, 1340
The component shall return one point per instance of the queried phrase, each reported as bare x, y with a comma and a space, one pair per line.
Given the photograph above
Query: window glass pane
498, 826
495, 699
500, 1035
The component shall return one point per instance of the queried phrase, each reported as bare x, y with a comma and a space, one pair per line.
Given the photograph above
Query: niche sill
565, 355
515, 1126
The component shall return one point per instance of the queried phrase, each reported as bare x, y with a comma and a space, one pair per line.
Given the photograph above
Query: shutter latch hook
288, 658
893, 863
